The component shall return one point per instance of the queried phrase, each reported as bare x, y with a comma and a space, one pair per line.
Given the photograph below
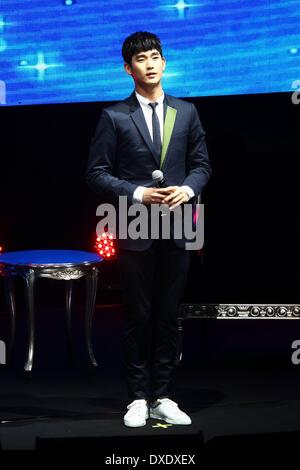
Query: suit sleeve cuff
189, 191
138, 195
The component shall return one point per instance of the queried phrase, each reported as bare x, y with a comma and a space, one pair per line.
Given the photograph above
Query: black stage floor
254, 406
239, 400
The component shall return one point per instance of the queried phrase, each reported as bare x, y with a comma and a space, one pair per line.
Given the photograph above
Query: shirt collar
145, 101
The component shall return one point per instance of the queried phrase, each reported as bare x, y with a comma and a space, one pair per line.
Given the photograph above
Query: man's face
146, 68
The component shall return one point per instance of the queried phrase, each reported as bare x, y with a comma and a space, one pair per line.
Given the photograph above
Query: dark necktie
155, 129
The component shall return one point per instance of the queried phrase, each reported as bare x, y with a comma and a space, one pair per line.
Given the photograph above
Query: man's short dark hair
138, 42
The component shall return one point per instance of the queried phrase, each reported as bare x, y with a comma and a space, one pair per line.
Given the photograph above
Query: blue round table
64, 265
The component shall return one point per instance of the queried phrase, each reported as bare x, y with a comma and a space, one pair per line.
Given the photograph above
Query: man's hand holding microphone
173, 196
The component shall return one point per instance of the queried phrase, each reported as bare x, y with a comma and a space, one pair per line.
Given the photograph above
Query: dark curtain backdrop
252, 229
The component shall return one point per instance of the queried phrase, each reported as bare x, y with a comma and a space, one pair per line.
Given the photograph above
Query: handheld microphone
158, 179
160, 182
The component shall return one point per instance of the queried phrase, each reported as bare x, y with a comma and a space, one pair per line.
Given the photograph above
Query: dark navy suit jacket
122, 156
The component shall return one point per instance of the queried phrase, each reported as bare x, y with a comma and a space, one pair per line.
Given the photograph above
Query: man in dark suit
145, 132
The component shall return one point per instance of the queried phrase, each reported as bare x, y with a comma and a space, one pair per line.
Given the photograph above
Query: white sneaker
168, 410
137, 414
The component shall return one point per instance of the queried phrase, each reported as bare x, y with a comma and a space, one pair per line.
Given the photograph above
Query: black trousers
153, 283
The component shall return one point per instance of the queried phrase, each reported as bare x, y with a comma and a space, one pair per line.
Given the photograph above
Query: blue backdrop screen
57, 51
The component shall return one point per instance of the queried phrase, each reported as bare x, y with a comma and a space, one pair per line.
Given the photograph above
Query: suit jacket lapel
137, 115
138, 118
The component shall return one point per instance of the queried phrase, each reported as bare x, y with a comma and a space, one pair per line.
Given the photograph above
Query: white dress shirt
147, 111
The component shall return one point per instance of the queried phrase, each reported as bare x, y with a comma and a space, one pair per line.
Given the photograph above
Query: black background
251, 251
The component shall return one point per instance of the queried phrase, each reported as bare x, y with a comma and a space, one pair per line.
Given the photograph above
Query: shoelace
139, 407
169, 402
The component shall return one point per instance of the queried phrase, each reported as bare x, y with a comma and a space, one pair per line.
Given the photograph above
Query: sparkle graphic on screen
2, 23
182, 7
2, 45
171, 74
41, 66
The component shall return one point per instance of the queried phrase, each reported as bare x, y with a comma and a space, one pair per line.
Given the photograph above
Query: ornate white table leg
10, 299
29, 278
69, 294
91, 286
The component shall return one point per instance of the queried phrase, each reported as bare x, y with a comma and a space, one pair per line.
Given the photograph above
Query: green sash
168, 129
